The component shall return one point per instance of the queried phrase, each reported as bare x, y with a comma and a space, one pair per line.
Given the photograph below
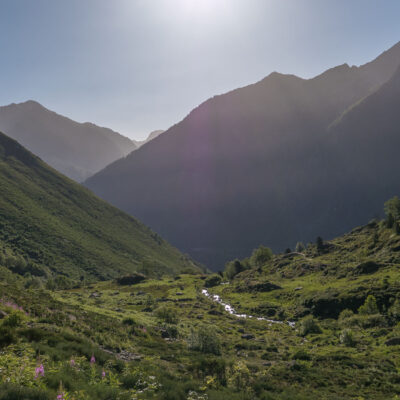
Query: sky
140, 65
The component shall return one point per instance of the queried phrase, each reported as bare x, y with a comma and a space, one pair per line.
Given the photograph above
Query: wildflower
92, 359
103, 374
72, 362
39, 371
61, 396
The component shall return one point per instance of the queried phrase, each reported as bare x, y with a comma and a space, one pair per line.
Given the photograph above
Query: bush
301, 355
205, 339
260, 256
232, 268
14, 319
167, 314
392, 209
346, 338
309, 325
345, 314
394, 311
15, 392
213, 280
300, 247
369, 307
132, 279
320, 243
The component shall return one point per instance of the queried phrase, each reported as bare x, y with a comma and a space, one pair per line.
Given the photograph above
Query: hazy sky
140, 65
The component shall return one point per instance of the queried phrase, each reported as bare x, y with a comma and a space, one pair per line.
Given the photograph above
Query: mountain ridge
251, 158
76, 149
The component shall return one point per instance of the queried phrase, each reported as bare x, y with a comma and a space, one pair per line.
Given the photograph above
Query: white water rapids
229, 309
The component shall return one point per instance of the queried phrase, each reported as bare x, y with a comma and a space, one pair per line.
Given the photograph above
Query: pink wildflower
39, 371
60, 396
72, 362
92, 359
103, 374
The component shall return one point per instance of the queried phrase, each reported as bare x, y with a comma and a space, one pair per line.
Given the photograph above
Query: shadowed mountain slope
248, 167
76, 150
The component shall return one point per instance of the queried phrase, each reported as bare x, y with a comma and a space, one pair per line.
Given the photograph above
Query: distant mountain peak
76, 149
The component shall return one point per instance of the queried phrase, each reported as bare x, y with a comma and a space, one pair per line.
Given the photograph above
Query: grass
56, 226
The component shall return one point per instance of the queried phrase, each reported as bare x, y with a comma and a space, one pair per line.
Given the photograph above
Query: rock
395, 341
94, 295
298, 288
164, 333
179, 293
247, 336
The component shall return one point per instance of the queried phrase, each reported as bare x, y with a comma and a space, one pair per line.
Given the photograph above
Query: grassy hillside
163, 339
50, 224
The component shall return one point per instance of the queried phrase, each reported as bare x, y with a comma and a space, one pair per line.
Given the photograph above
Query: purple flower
60, 396
103, 374
92, 359
72, 362
39, 371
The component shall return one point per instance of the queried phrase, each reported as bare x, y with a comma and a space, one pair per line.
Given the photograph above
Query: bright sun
199, 8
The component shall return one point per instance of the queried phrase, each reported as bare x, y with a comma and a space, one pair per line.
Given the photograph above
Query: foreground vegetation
163, 339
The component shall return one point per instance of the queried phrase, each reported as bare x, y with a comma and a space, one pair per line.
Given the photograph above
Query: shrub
392, 209
346, 338
309, 325
205, 339
213, 280
232, 268
131, 279
346, 314
300, 247
394, 311
301, 355
14, 319
320, 243
260, 256
16, 392
369, 307
167, 314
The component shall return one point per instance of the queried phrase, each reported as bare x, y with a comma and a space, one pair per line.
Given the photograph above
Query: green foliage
392, 209
347, 338
309, 325
232, 268
300, 247
14, 319
17, 392
260, 256
205, 339
213, 280
320, 243
50, 224
395, 310
166, 314
369, 307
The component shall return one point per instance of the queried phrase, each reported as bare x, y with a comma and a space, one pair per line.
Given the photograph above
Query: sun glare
199, 8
